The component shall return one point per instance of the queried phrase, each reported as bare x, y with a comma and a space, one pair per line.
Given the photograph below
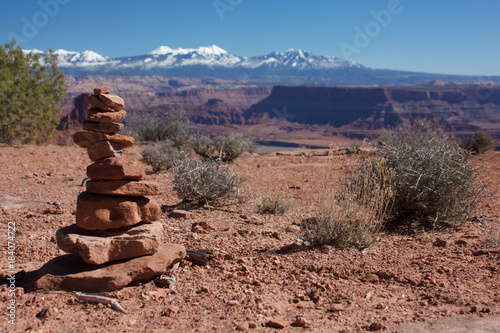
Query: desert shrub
224, 148
207, 182
231, 146
273, 205
173, 126
477, 143
162, 156
203, 145
350, 215
434, 179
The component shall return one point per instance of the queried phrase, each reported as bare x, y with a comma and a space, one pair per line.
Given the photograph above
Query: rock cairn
116, 238
115, 218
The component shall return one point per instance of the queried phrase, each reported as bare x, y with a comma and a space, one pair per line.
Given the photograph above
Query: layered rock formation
116, 219
364, 109
353, 111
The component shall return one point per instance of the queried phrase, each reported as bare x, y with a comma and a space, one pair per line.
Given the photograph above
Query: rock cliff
363, 109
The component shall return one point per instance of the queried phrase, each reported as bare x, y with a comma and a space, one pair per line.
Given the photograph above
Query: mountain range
288, 67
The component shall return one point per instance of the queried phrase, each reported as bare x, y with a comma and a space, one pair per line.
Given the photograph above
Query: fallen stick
101, 299
199, 257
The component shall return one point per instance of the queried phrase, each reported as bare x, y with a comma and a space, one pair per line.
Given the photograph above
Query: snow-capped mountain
212, 57
78, 59
298, 59
288, 67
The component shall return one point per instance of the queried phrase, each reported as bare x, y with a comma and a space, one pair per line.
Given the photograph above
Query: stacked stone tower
115, 218
117, 238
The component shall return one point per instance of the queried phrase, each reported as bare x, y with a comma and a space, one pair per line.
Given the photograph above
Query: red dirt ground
262, 271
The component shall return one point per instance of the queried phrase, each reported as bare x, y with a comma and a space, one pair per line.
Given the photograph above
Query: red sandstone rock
70, 272
102, 127
123, 187
97, 115
179, 213
114, 101
101, 90
104, 149
85, 139
99, 247
104, 212
113, 168
96, 102
277, 323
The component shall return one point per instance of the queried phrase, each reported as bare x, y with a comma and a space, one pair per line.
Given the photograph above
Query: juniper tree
31, 91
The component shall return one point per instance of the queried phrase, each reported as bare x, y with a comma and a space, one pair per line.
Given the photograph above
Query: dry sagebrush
207, 182
224, 148
162, 156
173, 127
434, 179
351, 208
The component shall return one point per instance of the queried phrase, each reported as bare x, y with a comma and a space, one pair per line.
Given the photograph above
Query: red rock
70, 272
104, 212
123, 187
179, 213
47, 312
207, 226
97, 103
439, 243
101, 90
376, 326
97, 115
102, 127
301, 322
104, 149
113, 168
114, 101
277, 323
99, 247
245, 326
372, 278
293, 228
86, 139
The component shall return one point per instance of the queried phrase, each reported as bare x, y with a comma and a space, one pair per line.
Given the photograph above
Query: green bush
173, 126
276, 205
477, 143
162, 156
206, 182
31, 91
434, 179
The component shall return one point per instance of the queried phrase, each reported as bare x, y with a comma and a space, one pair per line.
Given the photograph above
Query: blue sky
439, 36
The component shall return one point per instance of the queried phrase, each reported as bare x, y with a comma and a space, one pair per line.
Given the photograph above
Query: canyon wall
352, 111
363, 109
